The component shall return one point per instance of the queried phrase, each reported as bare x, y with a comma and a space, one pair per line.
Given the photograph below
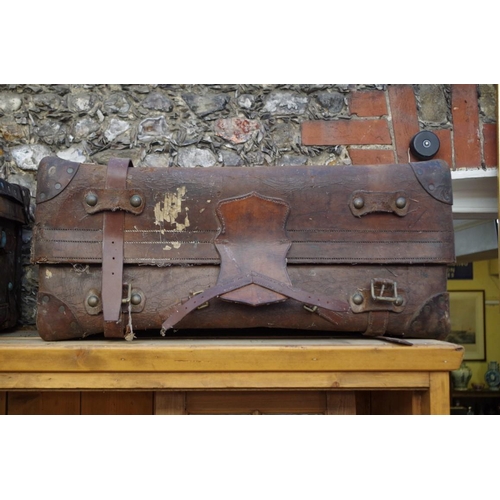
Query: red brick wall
381, 124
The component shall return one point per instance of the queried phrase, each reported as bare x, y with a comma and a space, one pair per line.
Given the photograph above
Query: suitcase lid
374, 214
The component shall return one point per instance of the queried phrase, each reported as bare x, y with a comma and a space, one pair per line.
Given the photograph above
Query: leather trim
54, 175
435, 177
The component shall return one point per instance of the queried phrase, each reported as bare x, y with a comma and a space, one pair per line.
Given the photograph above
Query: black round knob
425, 145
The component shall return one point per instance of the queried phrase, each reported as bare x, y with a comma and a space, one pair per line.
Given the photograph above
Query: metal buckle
381, 284
129, 294
310, 308
205, 304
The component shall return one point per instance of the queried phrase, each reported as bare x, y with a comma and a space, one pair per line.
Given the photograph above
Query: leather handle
310, 299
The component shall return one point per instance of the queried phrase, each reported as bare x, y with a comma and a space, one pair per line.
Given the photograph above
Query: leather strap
221, 288
112, 253
253, 241
377, 323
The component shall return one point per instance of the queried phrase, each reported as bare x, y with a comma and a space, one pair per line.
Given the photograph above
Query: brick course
333, 133
368, 103
467, 137
404, 119
465, 111
371, 156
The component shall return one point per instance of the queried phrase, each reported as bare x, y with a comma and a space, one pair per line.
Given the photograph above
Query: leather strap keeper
102, 200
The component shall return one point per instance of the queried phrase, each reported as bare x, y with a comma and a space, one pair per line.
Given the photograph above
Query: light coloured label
169, 210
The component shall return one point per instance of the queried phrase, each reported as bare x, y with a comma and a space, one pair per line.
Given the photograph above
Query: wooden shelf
479, 402
338, 367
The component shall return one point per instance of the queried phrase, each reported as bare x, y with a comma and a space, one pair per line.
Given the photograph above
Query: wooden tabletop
28, 353
29, 363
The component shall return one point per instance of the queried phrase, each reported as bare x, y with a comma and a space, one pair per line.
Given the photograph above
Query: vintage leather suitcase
357, 250
14, 213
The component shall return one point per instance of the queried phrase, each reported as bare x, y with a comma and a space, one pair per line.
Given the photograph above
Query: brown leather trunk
14, 213
337, 250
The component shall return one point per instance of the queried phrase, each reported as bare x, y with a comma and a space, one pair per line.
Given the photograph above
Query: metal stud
91, 199
358, 202
136, 299
136, 201
399, 301
10, 286
358, 299
93, 301
401, 202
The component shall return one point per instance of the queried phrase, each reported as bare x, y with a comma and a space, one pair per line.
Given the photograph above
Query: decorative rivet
401, 202
93, 301
61, 309
45, 299
91, 199
432, 187
10, 286
358, 202
135, 299
42, 196
69, 170
399, 301
58, 185
358, 299
136, 200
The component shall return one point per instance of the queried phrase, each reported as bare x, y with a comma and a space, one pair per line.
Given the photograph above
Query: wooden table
231, 376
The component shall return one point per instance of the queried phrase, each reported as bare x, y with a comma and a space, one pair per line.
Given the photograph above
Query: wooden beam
190, 356
255, 402
341, 403
3, 402
117, 403
229, 380
43, 403
436, 401
170, 403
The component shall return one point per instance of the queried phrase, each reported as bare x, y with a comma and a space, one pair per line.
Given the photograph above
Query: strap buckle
384, 290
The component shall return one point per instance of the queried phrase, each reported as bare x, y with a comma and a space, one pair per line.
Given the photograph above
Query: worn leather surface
179, 223
286, 233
